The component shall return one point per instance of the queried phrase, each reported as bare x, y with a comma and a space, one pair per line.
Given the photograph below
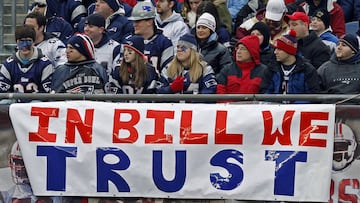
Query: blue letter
56, 165
180, 172
236, 174
105, 171
285, 169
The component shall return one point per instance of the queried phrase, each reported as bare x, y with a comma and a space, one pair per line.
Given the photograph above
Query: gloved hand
178, 84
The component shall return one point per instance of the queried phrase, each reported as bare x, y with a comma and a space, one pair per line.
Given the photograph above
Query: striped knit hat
287, 43
83, 44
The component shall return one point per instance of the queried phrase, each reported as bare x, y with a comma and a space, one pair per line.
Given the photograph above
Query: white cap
275, 9
40, 1
207, 20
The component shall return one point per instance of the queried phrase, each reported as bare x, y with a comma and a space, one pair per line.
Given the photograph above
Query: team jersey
54, 49
87, 77
345, 184
60, 28
149, 86
159, 50
206, 84
33, 77
71, 10
106, 52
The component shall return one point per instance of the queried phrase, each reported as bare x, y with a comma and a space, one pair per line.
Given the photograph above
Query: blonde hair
195, 69
140, 73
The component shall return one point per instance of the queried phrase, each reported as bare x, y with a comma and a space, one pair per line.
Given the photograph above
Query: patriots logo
4, 87
47, 86
113, 29
82, 89
146, 8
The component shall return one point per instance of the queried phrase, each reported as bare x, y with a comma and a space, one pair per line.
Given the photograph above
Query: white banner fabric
205, 151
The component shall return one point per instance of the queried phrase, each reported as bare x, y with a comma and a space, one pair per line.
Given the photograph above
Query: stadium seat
351, 27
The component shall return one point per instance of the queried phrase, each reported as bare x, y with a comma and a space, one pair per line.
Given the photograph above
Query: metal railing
312, 98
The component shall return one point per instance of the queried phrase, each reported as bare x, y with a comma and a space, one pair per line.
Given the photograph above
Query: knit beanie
252, 44
189, 40
264, 29
207, 20
95, 19
83, 44
287, 43
42, 2
324, 16
114, 4
135, 43
351, 41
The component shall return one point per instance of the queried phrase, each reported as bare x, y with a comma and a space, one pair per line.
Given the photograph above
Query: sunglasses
40, 5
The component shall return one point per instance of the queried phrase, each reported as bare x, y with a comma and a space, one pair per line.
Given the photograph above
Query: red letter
221, 137
159, 135
186, 136
348, 183
42, 135
125, 125
306, 128
269, 138
73, 121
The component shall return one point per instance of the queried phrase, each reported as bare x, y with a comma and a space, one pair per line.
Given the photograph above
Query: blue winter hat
114, 4
189, 40
83, 44
135, 43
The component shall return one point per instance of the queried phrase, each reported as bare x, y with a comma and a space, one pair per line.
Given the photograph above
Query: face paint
182, 48
25, 44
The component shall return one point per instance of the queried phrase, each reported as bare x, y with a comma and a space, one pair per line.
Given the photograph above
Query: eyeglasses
241, 48
40, 5
182, 48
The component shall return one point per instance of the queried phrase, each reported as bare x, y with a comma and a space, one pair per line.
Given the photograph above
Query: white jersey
345, 184
106, 54
54, 49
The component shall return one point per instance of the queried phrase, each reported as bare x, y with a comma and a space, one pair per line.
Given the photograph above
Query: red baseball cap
297, 16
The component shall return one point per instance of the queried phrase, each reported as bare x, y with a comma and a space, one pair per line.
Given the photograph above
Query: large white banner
207, 151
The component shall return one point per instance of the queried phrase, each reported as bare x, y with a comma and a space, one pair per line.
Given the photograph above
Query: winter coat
313, 49
173, 27
206, 84
215, 53
234, 80
351, 9
340, 77
302, 80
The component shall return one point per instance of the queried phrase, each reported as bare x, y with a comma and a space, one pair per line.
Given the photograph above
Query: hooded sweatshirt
173, 27
243, 77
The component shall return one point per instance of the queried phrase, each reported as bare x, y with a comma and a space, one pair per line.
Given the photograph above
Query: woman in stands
187, 73
134, 75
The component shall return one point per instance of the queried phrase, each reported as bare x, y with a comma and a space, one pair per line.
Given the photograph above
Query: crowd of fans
186, 47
